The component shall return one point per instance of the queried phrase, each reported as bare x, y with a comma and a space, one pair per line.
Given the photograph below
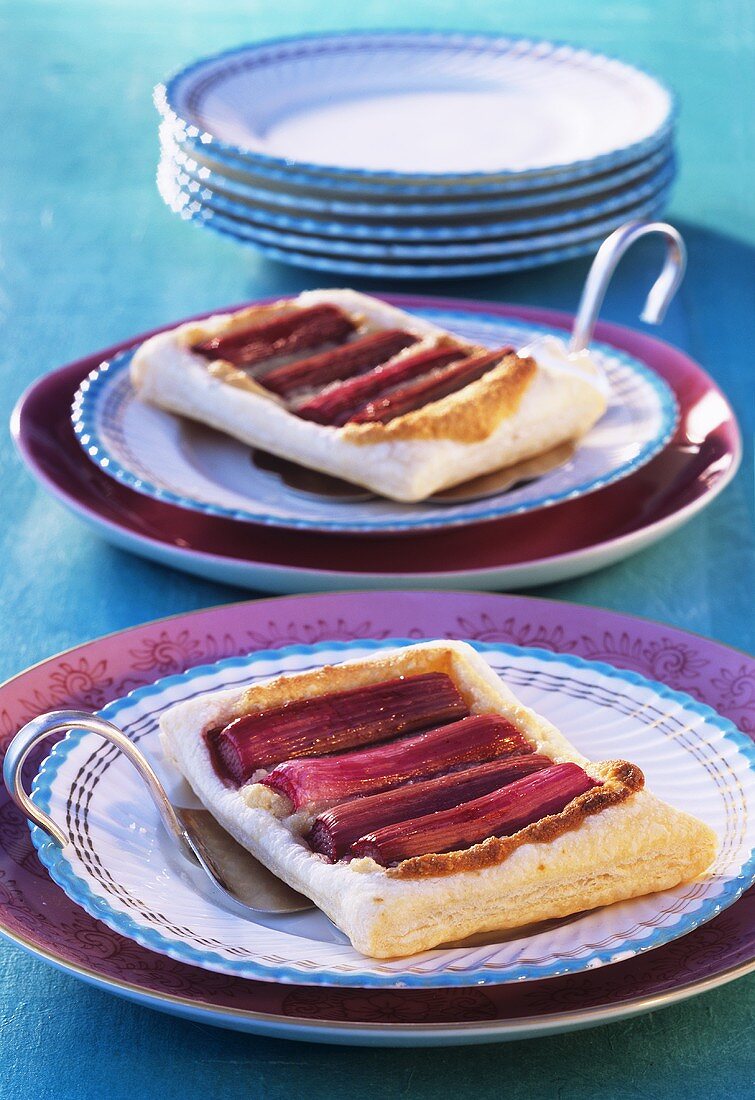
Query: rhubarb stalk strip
334, 722
332, 779
405, 399
501, 813
331, 366
335, 830
338, 403
300, 330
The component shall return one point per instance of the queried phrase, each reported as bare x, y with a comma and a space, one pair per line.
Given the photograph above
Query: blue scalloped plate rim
338, 265
85, 424
345, 265
302, 172
77, 889
413, 237
207, 176
371, 256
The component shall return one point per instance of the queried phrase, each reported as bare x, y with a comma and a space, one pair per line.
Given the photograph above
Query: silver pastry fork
198, 836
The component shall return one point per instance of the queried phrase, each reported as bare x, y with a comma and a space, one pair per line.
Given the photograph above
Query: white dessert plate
176, 461
120, 866
419, 106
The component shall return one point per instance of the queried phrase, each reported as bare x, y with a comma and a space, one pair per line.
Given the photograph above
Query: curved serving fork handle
199, 837
605, 263
61, 721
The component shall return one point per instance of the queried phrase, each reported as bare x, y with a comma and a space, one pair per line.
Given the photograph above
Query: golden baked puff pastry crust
614, 841
516, 410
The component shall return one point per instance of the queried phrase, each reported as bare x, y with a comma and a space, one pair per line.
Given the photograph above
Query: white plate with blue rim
120, 866
174, 460
392, 110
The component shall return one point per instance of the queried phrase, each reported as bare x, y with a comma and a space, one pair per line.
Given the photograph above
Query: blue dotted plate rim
312, 204
388, 235
414, 257
237, 231
374, 270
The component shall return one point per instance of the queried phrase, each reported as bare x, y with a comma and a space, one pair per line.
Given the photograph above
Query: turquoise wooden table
89, 256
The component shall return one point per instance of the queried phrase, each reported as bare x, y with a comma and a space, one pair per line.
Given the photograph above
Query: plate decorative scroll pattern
161, 650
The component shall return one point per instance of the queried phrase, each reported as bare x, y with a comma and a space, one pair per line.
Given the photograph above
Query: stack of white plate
415, 155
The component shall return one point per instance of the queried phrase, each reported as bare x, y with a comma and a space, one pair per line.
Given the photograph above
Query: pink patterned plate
512, 552
36, 914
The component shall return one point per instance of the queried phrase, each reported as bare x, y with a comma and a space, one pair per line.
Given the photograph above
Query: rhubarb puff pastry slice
345, 384
417, 802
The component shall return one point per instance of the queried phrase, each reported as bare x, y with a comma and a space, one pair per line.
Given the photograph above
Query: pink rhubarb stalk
433, 387
332, 779
338, 403
330, 366
335, 830
501, 813
334, 722
299, 330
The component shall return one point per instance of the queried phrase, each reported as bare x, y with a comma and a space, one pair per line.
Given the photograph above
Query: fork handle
604, 265
61, 721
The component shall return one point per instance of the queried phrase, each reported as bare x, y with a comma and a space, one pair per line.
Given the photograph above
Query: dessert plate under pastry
119, 865
36, 915
616, 410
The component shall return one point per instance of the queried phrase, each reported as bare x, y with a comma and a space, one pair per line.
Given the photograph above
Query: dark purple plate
35, 913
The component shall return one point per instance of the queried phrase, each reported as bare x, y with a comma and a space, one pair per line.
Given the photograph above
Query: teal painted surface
88, 255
